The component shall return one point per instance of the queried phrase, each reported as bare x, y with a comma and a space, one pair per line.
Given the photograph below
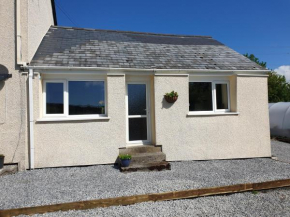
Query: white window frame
214, 101
148, 115
66, 99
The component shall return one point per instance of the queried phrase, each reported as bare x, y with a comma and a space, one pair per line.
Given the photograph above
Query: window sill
212, 114
56, 119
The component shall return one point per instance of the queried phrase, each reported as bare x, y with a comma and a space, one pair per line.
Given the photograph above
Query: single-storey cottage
95, 92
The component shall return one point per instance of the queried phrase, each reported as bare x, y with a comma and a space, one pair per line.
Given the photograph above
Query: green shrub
171, 94
125, 157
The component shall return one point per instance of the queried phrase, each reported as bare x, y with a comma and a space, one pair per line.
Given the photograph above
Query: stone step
163, 165
140, 158
140, 149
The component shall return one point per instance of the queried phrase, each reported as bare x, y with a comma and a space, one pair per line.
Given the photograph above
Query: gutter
105, 70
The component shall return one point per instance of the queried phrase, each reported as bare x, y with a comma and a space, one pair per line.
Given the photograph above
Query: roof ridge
132, 32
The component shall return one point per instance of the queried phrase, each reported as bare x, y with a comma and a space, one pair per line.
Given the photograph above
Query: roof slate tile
76, 47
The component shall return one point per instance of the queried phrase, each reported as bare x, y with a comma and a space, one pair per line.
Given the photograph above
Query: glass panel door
138, 111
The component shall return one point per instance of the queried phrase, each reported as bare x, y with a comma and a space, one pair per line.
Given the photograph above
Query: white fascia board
135, 71
252, 75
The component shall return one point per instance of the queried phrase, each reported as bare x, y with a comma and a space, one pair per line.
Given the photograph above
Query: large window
72, 98
209, 97
86, 97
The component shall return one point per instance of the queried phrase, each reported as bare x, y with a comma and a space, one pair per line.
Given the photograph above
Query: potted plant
171, 97
125, 159
1, 161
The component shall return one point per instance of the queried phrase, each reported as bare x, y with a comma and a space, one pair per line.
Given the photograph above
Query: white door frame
148, 115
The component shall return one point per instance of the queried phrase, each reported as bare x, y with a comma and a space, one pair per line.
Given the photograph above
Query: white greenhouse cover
280, 119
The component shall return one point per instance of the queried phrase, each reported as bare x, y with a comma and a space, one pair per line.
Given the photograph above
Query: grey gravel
281, 150
59, 185
265, 203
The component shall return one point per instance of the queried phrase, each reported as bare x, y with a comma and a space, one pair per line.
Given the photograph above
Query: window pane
222, 96
137, 129
137, 99
200, 96
86, 97
54, 98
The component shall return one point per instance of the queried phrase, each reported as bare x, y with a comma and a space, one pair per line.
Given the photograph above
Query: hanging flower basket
171, 97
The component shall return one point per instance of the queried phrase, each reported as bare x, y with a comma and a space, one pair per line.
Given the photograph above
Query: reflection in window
54, 98
200, 96
222, 96
137, 129
137, 99
86, 97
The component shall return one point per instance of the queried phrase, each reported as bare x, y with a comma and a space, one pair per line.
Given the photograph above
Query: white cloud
284, 70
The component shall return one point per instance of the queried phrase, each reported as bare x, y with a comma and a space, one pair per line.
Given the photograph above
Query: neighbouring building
23, 23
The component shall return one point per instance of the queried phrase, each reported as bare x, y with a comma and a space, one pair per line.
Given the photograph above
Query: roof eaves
154, 70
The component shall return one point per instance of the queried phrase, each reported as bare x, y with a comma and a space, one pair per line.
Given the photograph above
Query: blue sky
248, 26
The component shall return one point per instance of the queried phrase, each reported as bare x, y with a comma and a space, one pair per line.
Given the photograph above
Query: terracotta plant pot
170, 99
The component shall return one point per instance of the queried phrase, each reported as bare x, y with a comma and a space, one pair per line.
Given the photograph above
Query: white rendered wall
213, 137
73, 143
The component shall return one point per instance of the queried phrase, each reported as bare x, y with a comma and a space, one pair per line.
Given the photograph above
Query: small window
54, 98
86, 97
222, 101
209, 96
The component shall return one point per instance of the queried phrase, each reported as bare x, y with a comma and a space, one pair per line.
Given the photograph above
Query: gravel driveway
49, 186
266, 203
281, 150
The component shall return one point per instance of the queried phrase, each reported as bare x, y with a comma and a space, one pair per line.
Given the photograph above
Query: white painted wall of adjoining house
213, 137
12, 93
72, 143
13, 111
40, 18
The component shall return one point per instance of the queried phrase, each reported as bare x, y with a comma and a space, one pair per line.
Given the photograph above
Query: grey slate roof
63, 46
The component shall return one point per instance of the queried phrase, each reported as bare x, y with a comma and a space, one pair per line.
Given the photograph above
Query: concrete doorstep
145, 158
